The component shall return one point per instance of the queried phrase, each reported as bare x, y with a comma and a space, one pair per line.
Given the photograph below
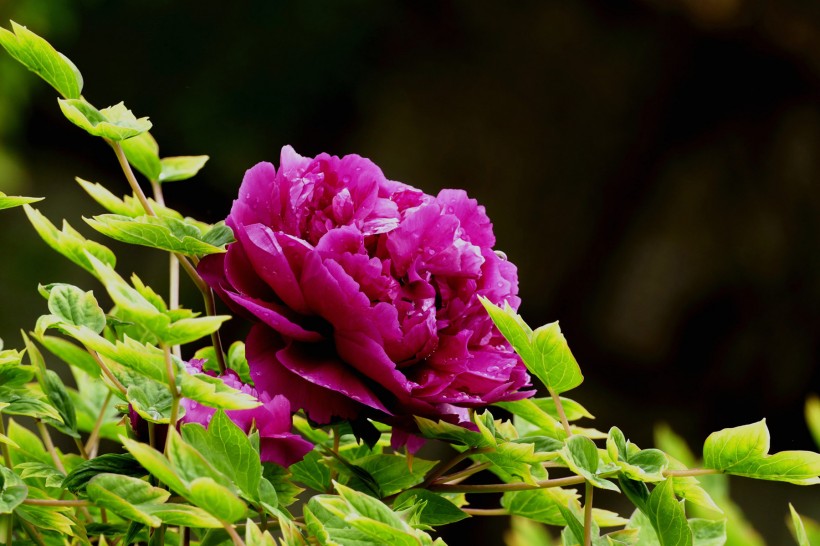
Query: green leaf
114, 123
12, 490
9, 201
22, 402
164, 233
36, 54
799, 529
45, 518
255, 537
581, 456
182, 514
216, 499
110, 463
189, 464
392, 473
192, 329
124, 496
142, 152
436, 510
71, 354
76, 307
280, 478
312, 471
291, 535
69, 242
29, 446
542, 505
229, 450
212, 392
181, 168
151, 400
37, 470
667, 516
813, 417
449, 432
128, 205
637, 464
707, 532
532, 413
554, 363
743, 451
155, 463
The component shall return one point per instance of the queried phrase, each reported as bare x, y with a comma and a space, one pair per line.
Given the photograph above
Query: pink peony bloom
272, 419
364, 293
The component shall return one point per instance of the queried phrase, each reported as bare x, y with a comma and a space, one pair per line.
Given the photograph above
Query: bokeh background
651, 166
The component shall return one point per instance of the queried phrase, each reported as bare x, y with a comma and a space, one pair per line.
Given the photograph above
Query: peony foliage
381, 319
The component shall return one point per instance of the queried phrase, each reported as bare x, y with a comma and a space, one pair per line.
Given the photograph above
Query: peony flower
364, 293
272, 419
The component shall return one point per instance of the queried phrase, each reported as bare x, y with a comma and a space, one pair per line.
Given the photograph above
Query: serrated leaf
181, 168
312, 471
189, 464
532, 413
392, 473
142, 152
76, 307
29, 446
743, 451
255, 537
69, 242
114, 123
164, 233
229, 450
12, 491
36, 54
9, 201
449, 432
25, 403
635, 463
667, 516
151, 400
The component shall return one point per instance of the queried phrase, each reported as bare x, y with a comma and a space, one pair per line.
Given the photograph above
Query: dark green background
652, 170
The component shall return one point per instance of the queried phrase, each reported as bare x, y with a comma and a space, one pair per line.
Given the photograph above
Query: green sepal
744, 451
164, 233
113, 123
36, 54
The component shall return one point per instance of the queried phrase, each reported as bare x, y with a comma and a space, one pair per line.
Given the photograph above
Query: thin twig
486, 511
81, 448
237, 540
690, 472
129, 175
588, 514
504, 487
455, 477
446, 465
54, 502
559, 407
93, 442
107, 372
32, 531
44, 434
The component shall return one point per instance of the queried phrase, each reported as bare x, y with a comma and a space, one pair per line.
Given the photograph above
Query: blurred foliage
650, 166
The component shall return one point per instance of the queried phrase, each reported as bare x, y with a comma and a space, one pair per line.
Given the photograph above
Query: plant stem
9, 528
446, 465
54, 502
93, 442
44, 434
107, 372
588, 514
486, 511
559, 407
172, 385
81, 448
504, 487
690, 472
202, 286
32, 532
173, 266
237, 540
4, 447
462, 474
